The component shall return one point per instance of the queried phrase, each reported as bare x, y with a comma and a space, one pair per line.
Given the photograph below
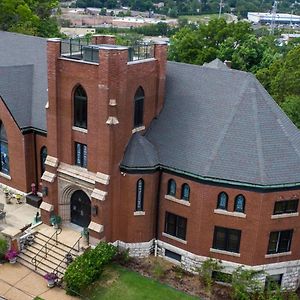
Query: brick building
187, 161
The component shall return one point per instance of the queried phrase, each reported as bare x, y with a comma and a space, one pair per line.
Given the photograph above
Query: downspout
35, 161
157, 212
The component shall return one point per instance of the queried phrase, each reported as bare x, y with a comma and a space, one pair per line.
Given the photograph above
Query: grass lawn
120, 283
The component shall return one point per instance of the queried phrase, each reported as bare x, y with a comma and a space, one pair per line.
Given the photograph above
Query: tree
291, 106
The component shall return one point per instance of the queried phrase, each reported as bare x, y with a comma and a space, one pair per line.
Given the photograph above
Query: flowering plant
11, 254
50, 276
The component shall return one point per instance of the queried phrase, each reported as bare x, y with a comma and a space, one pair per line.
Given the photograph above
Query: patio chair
3, 215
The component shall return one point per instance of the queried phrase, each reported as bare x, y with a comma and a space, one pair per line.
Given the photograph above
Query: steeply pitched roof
221, 124
23, 78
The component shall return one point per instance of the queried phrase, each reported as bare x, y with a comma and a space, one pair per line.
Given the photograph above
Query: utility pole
274, 11
221, 5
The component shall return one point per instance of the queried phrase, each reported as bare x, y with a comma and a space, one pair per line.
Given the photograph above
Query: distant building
263, 18
77, 32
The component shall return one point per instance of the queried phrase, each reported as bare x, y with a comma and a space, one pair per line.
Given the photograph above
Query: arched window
139, 202
138, 107
172, 187
4, 165
80, 108
185, 192
222, 201
43, 156
239, 203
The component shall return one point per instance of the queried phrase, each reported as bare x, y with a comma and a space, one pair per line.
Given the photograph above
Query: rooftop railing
82, 49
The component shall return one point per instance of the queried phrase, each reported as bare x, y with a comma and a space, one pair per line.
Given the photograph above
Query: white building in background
257, 17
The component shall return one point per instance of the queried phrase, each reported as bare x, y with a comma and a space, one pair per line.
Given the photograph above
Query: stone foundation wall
136, 249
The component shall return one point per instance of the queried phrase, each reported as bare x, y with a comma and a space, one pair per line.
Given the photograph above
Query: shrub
88, 267
158, 270
3, 248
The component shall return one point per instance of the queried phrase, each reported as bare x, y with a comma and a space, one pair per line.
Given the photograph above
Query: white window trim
179, 201
286, 215
139, 213
174, 238
224, 252
5, 176
278, 254
229, 213
82, 130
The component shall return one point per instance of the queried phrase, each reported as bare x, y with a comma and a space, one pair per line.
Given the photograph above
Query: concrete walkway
19, 283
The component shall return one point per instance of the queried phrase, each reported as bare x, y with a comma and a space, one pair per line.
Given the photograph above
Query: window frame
82, 161
80, 109
4, 166
138, 111
280, 239
285, 204
171, 182
183, 187
235, 204
219, 200
227, 232
178, 227
43, 152
139, 196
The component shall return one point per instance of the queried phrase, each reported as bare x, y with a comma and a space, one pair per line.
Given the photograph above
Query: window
239, 204
175, 225
172, 187
222, 201
4, 165
185, 192
139, 202
221, 277
80, 108
285, 207
81, 155
273, 281
227, 239
172, 255
138, 107
43, 157
280, 241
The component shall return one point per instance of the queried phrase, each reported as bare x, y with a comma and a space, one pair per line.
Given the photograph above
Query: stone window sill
5, 176
179, 201
224, 252
139, 213
278, 254
136, 129
174, 238
229, 213
280, 216
80, 129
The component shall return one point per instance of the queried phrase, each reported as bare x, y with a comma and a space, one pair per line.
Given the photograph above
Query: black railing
81, 49
140, 51
46, 249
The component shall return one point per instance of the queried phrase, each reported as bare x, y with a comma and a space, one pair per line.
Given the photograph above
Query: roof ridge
222, 136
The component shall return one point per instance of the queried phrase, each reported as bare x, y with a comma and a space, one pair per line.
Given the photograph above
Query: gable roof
23, 78
221, 124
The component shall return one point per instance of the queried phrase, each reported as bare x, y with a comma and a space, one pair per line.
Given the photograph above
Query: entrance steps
47, 255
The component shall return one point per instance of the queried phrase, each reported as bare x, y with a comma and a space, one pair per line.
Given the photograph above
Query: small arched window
43, 156
139, 107
222, 201
185, 192
172, 187
239, 203
80, 108
139, 202
4, 164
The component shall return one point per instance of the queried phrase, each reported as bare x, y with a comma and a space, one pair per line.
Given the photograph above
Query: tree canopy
29, 17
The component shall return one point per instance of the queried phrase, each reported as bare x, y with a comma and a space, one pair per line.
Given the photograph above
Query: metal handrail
56, 271
34, 259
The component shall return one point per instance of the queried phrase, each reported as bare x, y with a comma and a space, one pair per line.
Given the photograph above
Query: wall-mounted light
45, 191
94, 210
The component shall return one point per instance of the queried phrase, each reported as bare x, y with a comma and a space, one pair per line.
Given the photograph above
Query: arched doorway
80, 208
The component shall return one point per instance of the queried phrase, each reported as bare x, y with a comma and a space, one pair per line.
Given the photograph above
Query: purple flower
50, 276
11, 254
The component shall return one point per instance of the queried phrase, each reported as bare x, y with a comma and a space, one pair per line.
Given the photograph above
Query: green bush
3, 248
88, 267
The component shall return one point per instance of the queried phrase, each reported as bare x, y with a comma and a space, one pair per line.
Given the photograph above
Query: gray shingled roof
221, 124
23, 78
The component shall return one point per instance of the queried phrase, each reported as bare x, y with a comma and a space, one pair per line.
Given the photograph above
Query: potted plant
7, 195
51, 278
85, 236
55, 220
11, 255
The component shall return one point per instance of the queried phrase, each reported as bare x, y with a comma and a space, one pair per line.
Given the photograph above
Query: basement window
173, 255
